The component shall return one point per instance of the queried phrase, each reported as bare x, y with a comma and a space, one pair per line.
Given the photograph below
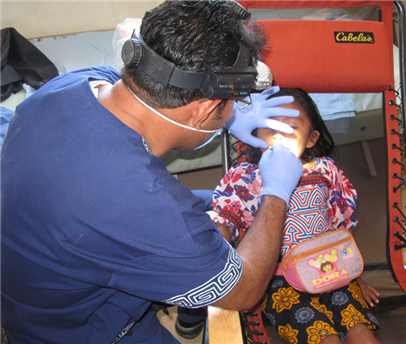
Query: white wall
43, 18
34, 19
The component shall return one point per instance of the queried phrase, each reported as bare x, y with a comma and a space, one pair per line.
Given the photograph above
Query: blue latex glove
280, 172
256, 115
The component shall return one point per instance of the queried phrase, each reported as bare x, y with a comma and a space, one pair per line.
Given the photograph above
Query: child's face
296, 142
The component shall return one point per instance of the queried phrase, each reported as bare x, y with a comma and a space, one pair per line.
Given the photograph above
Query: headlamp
214, 83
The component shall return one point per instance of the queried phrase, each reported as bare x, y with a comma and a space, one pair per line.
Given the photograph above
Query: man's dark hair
193, 35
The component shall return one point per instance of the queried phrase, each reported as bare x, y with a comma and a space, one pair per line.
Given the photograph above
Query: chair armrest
224, 326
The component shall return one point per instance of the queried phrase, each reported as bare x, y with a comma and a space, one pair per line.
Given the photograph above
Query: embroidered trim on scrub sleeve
214, 289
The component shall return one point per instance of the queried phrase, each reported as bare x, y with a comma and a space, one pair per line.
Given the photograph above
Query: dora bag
324, 263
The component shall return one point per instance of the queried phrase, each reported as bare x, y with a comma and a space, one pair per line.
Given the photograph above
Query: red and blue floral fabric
324, 200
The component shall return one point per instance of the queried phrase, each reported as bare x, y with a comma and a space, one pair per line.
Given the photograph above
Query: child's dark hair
324, 146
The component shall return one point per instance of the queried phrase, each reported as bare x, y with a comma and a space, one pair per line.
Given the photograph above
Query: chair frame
395, 136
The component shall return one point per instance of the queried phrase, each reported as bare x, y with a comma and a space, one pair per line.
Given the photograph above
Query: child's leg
332, 339
353, 318
297, 316
360, 333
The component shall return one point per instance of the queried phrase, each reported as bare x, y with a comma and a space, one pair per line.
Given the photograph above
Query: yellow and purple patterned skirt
301, 317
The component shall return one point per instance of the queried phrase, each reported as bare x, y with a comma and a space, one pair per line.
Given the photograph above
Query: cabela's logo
354, 37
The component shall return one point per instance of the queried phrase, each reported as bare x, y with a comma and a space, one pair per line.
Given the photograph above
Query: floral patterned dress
324, 200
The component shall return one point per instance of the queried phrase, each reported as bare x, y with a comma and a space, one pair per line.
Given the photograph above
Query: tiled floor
370, 235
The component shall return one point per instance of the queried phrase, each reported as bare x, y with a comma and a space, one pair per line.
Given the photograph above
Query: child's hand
370, 294
225, 231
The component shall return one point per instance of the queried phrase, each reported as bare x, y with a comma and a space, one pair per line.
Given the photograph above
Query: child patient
323, 201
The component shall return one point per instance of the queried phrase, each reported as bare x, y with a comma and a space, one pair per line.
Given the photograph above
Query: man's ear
314, 136
203, 110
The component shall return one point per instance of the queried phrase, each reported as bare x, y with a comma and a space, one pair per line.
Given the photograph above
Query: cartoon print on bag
346, 252
326, 265
325, 262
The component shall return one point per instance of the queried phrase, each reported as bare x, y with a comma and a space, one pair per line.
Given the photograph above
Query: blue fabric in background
206, 195
6, 115
333, 106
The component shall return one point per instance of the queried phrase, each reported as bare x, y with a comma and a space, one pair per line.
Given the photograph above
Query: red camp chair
312, 55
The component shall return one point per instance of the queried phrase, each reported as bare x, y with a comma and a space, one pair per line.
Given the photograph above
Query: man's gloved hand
256, 115
280, 172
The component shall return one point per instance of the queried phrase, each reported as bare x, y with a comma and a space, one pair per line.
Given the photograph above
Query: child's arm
235, 201
370, 294
343, 214
225, 231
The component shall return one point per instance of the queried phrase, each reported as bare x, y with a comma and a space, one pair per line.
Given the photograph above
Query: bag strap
278, 270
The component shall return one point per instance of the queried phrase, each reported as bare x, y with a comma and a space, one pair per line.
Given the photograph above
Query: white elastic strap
166, 118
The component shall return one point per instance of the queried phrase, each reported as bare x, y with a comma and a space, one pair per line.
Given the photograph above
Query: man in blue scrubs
95, 229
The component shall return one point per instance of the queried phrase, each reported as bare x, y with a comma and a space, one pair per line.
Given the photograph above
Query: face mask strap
166, 118
217, 133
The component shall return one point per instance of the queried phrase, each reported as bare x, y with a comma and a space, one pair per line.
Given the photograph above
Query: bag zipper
315, 250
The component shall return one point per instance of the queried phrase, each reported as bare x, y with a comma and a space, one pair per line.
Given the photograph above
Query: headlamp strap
164, 71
